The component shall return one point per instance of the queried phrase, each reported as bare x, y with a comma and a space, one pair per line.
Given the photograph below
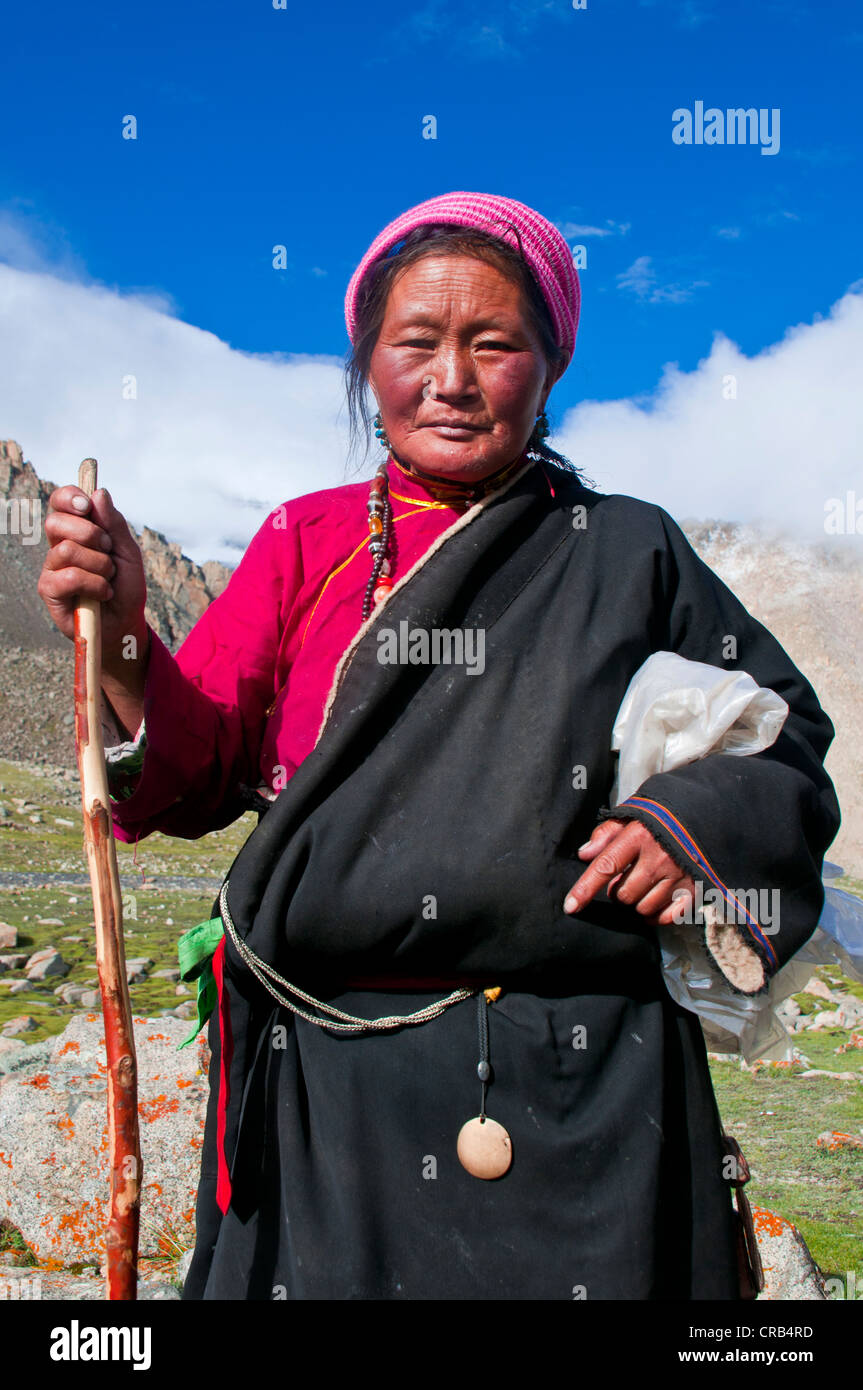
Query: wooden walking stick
121, 1235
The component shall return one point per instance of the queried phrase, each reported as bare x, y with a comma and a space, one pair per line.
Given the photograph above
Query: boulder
8, 936
42, 964
789, 1270
834, 1139
818, 988
788, 1009
185, 1010
15, 1026
10, 1048
54, 1138
825, 1018
136, 969
71, 994
850, 1012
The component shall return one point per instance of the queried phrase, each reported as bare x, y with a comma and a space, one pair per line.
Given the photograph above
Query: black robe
432, 836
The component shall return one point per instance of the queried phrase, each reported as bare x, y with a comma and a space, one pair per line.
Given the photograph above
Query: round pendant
484, 1148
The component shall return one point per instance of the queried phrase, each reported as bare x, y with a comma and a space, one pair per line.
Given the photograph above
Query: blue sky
260, 126
304, 127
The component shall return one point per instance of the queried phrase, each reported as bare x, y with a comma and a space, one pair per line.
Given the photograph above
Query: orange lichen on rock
5, 1159
157, 1108
82, 1226
40, 1081
768, 1224
834, 1139
70, 1046
794, 1065
66, 1126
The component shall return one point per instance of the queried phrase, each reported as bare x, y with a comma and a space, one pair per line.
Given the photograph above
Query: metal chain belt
335, 1019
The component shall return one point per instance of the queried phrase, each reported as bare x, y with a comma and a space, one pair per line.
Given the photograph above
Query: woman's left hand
634, 869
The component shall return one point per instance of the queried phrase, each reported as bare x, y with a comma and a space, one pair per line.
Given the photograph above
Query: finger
66, 586
641, 877
70, 498
643, 874
69, 554
602, 835
616, 857
672, 913
661, 896
106, 515
61, 526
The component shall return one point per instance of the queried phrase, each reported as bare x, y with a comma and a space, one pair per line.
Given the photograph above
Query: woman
444, 1061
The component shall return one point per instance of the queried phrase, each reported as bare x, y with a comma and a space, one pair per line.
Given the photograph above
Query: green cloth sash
195, 950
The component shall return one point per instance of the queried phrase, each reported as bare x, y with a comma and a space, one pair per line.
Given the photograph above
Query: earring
380, 432
541, 425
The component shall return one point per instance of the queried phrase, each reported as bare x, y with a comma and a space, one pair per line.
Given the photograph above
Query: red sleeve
205, 709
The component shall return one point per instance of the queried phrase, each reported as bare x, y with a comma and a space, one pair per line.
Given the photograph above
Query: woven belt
327, 1016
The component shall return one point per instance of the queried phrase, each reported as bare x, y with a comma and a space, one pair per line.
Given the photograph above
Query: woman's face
458, 370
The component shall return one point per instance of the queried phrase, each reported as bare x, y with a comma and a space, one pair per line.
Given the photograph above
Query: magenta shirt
244, 697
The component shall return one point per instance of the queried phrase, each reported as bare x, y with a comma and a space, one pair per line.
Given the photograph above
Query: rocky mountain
35, 659
809, 596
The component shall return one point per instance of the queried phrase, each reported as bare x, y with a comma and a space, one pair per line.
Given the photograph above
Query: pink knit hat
543, 247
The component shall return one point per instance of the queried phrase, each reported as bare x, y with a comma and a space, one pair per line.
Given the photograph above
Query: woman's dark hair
439, 239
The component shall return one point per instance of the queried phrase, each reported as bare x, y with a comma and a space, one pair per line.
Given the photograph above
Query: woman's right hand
93, 554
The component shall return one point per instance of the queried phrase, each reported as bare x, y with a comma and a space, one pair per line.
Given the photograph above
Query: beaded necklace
381, 515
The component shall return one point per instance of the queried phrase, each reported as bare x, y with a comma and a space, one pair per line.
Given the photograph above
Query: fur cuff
738, 961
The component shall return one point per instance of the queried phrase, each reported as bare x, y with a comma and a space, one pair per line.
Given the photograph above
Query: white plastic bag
675, 711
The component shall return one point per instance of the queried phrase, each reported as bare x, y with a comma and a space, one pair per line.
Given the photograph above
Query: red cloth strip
223, 1181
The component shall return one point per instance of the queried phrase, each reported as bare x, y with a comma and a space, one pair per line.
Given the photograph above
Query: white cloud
215, 438
641, 280
775, 454
611, 228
